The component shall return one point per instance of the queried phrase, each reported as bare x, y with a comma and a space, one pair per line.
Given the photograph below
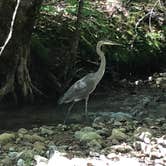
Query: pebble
145, 137
123, 148
14, 155
46, 131
22, 131
20, 162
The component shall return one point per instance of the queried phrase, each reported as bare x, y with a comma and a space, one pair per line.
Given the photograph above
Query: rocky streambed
123, 129
109, 137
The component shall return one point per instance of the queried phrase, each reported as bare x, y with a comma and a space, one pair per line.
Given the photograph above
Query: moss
6, 138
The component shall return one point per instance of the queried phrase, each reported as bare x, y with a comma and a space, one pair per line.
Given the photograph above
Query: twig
138, 22
151, 13
150, 17
11, 28
142, 18
38, 91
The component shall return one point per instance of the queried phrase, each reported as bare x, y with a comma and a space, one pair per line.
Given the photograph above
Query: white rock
58, 160
145, 136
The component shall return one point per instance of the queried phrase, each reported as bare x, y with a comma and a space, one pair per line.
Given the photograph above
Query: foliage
141, 31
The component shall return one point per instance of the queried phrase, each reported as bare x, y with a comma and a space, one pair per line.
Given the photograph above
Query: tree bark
14, 75
78, 29
70, 70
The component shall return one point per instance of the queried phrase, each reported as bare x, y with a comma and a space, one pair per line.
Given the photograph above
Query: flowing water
114, 101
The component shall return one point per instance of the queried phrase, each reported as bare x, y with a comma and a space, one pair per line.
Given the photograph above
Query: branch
71, 61
138, 22
78, 29
150, 17
151, 13
142, 18
11, 28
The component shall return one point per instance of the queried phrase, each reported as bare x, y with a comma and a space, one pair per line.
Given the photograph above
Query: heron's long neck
101, 70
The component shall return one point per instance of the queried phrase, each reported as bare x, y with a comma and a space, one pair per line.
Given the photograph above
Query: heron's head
106, 42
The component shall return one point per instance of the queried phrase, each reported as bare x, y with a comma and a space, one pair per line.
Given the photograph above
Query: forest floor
125, 127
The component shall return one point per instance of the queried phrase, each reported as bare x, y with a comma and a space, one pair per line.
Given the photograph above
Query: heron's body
85, 86
82, 88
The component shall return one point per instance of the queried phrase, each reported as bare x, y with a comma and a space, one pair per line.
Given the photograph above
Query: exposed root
8, 86
23, 77
38, 90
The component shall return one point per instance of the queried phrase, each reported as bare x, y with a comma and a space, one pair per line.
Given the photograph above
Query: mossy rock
6, 137
87, 134
118, 135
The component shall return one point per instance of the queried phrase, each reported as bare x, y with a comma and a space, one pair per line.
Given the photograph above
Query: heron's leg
86, 105
68, 111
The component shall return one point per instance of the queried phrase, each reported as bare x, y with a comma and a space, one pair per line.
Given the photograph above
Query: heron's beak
111, 43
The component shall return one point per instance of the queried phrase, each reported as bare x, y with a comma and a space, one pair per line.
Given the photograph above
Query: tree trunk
72, 58
14, 74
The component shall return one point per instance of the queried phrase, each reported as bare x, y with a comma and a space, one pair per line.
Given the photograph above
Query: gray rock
121, 116
39, 146
123, 148
75, 117
87, 129
51, 150
103, 132
20, 162
93, 154
32, 138
6, 161
146, 100
46, 131
141, 130
162, 140
155, 155
163, 126
11, 149
75, 127
117, 123
99, 119
148, 121
94, 145
62, 127
22, 131
99, 125
27, 154
137, 145
145, 137
35, 129
112, 156
14, 155
143, 134
160, 121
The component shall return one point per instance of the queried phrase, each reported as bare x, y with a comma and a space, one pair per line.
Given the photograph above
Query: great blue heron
85, 86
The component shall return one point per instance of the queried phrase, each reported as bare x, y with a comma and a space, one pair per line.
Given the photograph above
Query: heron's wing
80, 89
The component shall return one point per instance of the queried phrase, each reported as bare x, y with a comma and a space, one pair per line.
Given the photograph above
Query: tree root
8, 86
22, 75
18, 81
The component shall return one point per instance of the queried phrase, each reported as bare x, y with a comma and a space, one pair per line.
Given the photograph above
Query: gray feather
79, 90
